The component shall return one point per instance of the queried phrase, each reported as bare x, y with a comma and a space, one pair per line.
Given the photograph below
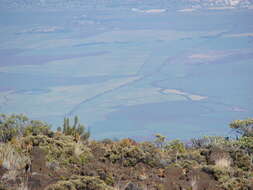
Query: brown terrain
41, 159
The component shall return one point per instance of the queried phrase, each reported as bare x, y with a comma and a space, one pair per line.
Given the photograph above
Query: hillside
34, 157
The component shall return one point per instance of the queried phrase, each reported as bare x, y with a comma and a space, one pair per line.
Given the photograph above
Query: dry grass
194, 183
10, 175
23, 186
11, 159
15, 162
223, 162
78, 150
18, 177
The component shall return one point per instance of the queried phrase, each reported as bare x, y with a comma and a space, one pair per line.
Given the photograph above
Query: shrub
124, 153
194, 157
38, 128
242, 153
246, 144
220, 174
209, 141
77, 130
12, 126
61, 149
152, 155
160, 140
80, 182
242, 160
176, 145
19, 125
236, 183
243, 127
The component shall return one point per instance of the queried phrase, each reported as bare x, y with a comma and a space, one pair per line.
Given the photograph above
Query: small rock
131, 186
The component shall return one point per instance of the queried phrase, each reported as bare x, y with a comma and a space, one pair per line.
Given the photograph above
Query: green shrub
38, 128
152, 155
61, 149
124, 153
242, 160
160, 140
236, 183
176, 145
246, 144
19, 125
243, 127
12, 126
209, 141
220, 174
80, 182
77, 130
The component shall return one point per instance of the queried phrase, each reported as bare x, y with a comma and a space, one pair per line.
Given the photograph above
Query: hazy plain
128, 72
